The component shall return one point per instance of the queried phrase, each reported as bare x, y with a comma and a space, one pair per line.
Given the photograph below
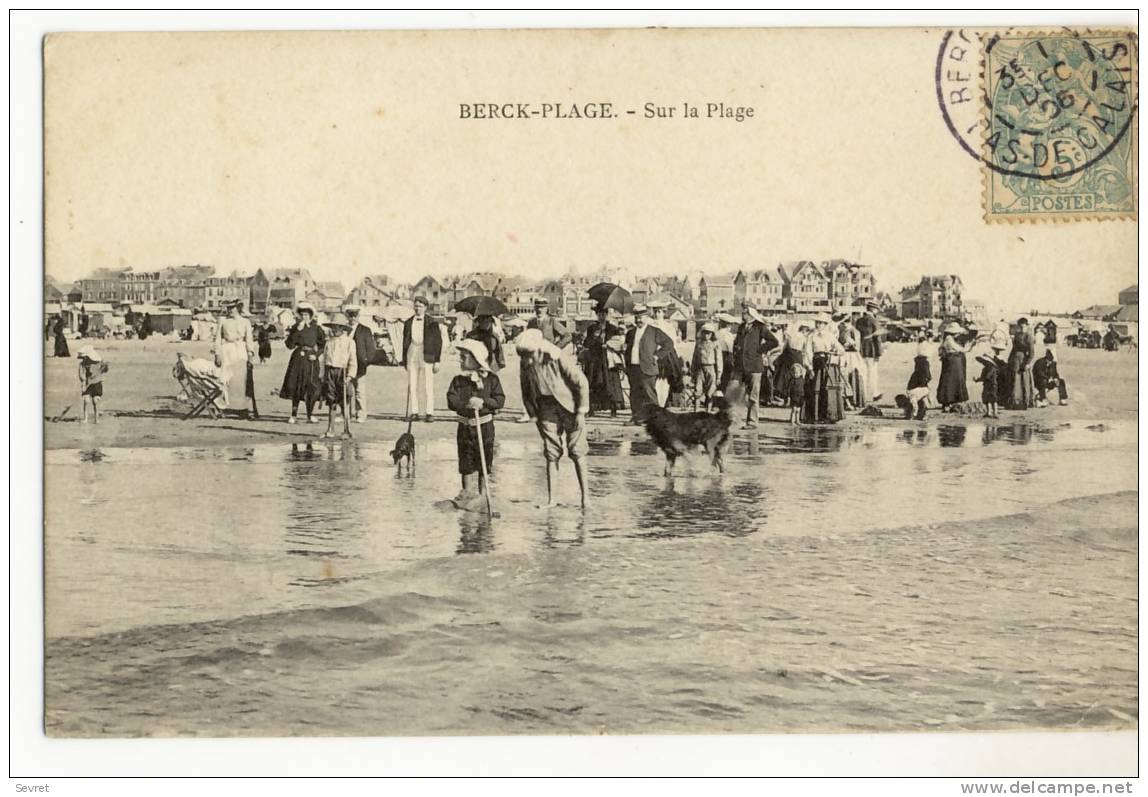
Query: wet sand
216, 578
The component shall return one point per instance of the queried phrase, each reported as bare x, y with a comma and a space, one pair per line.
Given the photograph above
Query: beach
235, 577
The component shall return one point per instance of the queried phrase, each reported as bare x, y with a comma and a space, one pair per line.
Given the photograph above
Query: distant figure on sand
1020, 362
560, 399
301, 381
92, 370
60, 348
869, 331
234, 346
952, 387
364, 340
646, 347
1046, 377
422, 350
339, 366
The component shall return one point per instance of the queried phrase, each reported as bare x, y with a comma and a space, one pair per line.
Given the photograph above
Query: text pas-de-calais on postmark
1052, 118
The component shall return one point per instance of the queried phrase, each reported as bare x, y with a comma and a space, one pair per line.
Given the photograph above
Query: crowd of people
819, 368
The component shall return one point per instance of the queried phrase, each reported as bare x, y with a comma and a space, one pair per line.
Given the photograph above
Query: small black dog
405, 447
677, 433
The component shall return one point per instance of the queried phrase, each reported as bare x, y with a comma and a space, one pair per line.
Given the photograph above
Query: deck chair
201, 385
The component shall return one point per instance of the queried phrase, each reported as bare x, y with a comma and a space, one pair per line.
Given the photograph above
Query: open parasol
481, 305
612, 297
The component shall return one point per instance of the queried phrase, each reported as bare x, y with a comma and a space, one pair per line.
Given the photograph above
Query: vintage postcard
590, 381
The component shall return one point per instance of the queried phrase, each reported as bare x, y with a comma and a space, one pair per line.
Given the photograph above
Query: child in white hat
92, 370
707, 365
339, 365
475, 394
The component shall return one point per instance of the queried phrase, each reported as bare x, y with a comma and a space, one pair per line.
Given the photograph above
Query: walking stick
346, 409
482, 463
251, 389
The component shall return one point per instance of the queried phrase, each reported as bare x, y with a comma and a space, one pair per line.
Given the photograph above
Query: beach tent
166, 320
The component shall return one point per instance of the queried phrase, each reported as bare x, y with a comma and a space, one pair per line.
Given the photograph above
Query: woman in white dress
234, 345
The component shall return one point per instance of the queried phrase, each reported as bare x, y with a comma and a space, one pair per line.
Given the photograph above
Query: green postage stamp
1059, 125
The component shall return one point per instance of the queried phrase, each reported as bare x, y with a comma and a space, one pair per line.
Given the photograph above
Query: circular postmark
1043, 106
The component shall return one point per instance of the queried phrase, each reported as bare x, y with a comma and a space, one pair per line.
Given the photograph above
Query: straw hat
952, 328
541, 301
88, 354
351, 308
709, 326
822, 318
478, 350
657, 304
727, 318
640, 309
337, 320
530, 341
305, 307
753, 312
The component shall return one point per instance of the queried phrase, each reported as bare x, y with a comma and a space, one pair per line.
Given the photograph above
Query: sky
345, 153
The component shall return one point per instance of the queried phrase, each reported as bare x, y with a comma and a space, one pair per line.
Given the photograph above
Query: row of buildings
800, 286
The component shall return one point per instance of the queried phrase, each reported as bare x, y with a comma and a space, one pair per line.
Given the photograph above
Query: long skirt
1023, 395
301, 381
605, 385
61, 347
824, 392
233, 366
952, 388
853, 370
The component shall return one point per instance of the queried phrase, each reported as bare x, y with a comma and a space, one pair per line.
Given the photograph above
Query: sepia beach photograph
578, 382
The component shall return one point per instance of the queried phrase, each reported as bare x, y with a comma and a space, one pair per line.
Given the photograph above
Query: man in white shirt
422, 350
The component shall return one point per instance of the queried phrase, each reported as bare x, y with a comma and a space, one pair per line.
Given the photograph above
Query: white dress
234, 338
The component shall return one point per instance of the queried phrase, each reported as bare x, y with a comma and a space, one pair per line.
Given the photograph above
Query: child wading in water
477, 388
338, 361
92, 370
707, 366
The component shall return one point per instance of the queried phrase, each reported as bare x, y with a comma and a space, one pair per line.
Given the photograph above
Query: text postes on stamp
1058, 126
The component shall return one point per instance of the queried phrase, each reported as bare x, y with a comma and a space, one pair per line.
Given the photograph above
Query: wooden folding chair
208, 392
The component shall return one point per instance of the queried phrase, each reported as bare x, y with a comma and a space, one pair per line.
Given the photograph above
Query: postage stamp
1059, 126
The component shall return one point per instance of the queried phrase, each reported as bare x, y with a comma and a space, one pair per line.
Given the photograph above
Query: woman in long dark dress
61, 342
605, 384
952, 388
263, 336
302, 382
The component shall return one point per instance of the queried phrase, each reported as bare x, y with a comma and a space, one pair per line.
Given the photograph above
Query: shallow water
313, 589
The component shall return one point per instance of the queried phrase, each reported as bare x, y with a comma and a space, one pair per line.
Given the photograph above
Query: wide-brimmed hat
657, 304
305, 307
709, 326
337, 320
727, 318
755, 314
477, 349
952, 328
530, 341
822, 318
88, 354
